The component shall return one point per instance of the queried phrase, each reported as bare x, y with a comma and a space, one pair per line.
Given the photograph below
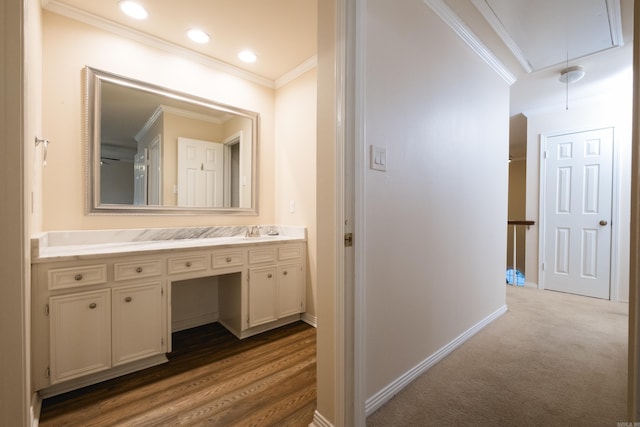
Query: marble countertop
77, 244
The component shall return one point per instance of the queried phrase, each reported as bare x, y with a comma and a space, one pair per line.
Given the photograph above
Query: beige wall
295, 170
610, 109
435, 221
69, 46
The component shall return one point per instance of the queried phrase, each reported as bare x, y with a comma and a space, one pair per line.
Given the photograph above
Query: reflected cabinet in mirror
155, 150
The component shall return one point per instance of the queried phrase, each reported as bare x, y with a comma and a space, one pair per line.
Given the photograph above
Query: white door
577, 212
200, 176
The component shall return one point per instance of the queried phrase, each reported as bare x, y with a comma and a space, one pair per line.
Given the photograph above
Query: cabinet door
290, 289
262, 296
137, 322
80, 334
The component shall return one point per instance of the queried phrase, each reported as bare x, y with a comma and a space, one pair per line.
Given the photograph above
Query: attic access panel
541, 33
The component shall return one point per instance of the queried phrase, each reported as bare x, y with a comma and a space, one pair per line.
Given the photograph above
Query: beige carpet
552, 360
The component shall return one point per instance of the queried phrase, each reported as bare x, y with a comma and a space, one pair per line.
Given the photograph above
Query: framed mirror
152, 150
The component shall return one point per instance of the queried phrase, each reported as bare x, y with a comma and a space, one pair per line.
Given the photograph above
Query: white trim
358, 75
381, 397
450, 18
614, 286
542, 195
310, 319
343, 377
36, 408
319, 420
615, 21
290, 76
193, 322
195, 116
149, 40
496, 24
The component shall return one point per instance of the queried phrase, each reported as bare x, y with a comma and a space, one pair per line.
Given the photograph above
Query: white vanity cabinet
101, 315
137, 316
90, 318
276, 283
80, 333
263, 296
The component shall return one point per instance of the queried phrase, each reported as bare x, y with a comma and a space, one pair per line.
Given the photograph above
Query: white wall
436, 220
611, 109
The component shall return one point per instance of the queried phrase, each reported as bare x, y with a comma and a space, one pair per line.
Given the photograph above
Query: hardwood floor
211, 379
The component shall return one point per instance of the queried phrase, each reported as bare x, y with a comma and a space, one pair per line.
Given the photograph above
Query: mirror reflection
156, 149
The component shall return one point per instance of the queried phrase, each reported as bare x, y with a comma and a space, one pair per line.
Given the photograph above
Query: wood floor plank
212, 379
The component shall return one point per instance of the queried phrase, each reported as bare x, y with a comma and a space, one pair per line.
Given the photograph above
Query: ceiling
282, 33
541, 37
534, 39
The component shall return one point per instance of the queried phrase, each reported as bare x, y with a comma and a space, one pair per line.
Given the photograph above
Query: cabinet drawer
262, 255
289, 252
63, 278
189, 263
136, 269
227, 259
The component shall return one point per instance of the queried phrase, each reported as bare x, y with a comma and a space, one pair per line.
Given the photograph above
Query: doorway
576, 210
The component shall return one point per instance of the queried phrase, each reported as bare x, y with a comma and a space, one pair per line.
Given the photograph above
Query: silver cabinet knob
139, 270
93, 305
228, 259
284, 272
188, 264
78, 277
269, 276
603, 222
128, 299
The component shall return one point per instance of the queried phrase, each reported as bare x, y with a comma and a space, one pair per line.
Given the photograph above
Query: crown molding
290, 76
450, 18
152, 41
614, 11
486, 11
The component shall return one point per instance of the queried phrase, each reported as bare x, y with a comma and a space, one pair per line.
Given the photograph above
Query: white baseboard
310, 319
101, 376
182, 324
383, 396
319, 420
36, 407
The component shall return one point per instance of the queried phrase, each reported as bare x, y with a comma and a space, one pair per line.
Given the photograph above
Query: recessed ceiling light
198, 36
247, 56
133, 9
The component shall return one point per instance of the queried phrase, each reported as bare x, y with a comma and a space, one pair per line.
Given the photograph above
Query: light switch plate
378, 158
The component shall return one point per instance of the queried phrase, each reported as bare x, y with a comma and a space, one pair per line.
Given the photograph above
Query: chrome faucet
253, 231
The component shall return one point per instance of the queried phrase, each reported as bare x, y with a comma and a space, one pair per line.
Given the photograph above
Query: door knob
603, 222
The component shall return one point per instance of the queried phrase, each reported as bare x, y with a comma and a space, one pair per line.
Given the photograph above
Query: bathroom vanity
102, 299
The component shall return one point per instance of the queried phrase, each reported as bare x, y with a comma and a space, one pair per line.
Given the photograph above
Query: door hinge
348, 240
47, 372
162, 291
46, 309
